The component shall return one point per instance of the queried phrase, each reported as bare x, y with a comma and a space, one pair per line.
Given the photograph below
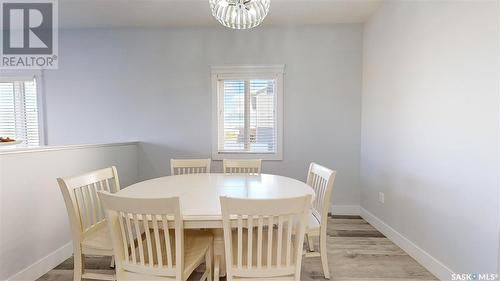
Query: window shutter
19, 111
233, 110
247, 120
262, 116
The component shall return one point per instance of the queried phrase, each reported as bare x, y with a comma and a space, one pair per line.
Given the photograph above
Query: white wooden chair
243, 166
263, 239
321, 180
189, 166
166, 252
87, 219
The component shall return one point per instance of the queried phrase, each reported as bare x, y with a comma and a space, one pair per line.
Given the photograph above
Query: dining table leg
219, 250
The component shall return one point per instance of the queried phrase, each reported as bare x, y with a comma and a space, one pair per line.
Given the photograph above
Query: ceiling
166, 13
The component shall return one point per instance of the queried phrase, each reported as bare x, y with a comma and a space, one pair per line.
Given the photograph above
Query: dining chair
263, 238
166, 251
87, 219
242, 166
321, 180
189, 166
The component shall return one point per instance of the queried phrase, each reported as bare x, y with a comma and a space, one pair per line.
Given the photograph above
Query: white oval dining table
199, 196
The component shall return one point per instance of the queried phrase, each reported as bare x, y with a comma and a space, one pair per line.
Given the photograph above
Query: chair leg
216, 268
78, 266
310, 243
208, 262
324, 254
112, 265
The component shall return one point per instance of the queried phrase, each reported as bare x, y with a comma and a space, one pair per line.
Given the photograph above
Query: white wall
153, 85
430, 119
34, 223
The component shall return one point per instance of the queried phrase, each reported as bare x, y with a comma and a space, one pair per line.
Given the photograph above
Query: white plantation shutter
247, 112
233, 116
19, 111
263, 116
248, 116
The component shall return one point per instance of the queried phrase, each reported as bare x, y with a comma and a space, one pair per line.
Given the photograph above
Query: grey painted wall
153, 85
430, 127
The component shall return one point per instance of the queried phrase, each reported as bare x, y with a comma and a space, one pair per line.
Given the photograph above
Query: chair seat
196, 244
313, 225
97, 240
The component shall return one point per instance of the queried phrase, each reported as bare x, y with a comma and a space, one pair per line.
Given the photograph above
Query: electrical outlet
381, 197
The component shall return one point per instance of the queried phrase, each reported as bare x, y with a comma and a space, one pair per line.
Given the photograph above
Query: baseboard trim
437, 268
44, 265
346, 210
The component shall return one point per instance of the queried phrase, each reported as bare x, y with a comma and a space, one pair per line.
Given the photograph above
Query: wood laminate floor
356, 252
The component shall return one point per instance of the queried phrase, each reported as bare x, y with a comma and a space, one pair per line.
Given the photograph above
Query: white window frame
9, 76
247, 72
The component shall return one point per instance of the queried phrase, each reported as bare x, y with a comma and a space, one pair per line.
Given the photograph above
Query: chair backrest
243, 166
142, 231
82, 203
270, 251
189, 166
321, 180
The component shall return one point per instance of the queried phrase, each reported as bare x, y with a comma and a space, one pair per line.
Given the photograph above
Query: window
247, 112
19, 113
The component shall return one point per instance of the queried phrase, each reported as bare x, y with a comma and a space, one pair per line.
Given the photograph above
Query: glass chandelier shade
240, 14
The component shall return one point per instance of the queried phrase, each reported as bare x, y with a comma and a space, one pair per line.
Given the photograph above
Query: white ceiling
164, 13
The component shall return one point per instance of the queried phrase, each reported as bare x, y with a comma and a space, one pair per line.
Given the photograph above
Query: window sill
246, 155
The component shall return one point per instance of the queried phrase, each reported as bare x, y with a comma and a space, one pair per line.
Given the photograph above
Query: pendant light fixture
240, 14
